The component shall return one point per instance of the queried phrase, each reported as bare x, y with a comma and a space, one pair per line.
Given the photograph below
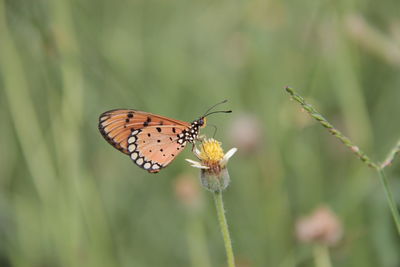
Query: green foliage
67, 198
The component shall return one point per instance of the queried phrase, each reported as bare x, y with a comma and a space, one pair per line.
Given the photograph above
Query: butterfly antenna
218, 111
222, 102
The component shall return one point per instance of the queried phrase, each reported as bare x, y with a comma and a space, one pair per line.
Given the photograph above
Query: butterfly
152, 141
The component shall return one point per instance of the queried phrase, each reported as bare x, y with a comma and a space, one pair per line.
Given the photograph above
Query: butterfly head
202, 122
199, 123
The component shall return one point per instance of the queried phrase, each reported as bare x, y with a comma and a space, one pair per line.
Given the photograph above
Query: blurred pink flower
322, 226
246, 132
187, 191
243, 262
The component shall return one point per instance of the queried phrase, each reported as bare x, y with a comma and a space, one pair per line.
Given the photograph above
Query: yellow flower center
211, 151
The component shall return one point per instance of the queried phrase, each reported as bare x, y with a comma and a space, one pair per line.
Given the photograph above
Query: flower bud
215, 181
323, 226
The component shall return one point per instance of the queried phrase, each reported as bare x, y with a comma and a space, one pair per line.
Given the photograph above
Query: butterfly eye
203, 122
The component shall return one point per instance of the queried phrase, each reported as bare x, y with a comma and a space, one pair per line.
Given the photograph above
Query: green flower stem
219, 204
347, 142
321, 256
389, 197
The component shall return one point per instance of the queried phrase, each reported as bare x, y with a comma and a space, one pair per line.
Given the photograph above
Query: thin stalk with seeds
364, 158
392, 154
335, 132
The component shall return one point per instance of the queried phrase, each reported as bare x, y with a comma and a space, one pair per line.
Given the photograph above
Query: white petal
196, 164
192, 162
196, 152
228, 155
200, 167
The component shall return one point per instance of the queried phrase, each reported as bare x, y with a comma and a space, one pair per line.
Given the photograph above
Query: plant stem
321, 256
389, 197
219, 204
347, 142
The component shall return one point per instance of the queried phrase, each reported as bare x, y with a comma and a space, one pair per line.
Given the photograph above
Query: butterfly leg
195, 151
201, 138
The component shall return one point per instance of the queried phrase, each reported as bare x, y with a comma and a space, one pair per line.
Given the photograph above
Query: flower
214, 174
187, 191
246, 133
322, 226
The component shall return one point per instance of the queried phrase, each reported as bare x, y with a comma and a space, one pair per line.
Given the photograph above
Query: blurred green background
67, 198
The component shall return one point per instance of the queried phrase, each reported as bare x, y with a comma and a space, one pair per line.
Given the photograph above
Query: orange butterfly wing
150, 140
